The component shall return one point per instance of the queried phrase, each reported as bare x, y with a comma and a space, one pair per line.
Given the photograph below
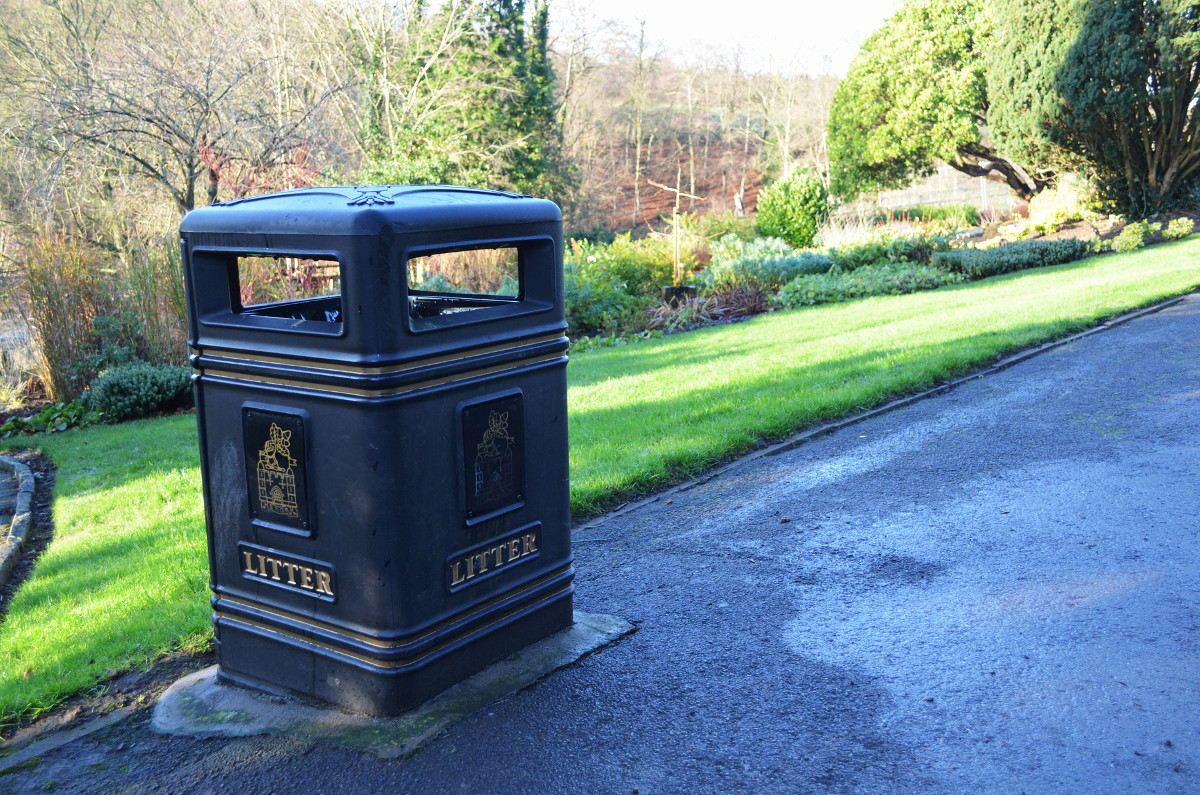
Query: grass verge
655, 413
125, 578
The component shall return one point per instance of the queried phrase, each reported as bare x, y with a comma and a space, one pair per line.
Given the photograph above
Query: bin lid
367, 209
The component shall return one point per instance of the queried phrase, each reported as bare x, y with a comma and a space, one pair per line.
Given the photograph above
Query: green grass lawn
647, 415
125, 578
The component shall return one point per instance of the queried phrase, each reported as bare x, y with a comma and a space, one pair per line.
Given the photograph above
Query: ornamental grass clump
66, 285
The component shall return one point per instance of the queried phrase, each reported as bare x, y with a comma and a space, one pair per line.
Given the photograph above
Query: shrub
769, 272
884, 244
1179, 228
636, 267
115, 341
883, 279
731, 247
139, 390
598, 304
1069, 200
1133, 236
793, 208
980, 263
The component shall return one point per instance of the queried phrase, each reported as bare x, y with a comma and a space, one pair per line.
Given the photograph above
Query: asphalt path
996, 589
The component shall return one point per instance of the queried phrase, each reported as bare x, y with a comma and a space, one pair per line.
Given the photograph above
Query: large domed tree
915, 94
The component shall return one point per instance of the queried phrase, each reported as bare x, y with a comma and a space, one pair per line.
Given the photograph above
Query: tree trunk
983, 162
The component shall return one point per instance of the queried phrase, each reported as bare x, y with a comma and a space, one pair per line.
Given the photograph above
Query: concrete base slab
201, 706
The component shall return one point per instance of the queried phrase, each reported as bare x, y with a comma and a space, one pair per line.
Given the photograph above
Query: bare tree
793, 108
643, 68
146, 88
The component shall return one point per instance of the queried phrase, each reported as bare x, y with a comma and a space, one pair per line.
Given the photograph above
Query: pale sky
817, 37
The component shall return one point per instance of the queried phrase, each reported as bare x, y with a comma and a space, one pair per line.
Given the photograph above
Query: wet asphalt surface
996, 589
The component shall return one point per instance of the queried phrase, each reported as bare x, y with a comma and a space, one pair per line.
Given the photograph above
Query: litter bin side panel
324, 567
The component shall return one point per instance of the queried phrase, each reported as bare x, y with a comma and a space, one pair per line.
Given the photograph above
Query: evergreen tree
1108, 87
473, 102
517, 98
916, 94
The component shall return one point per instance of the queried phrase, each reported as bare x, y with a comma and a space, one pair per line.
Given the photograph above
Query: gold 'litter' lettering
287, 573
466, 567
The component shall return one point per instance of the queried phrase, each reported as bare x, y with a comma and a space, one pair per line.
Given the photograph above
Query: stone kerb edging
10, 546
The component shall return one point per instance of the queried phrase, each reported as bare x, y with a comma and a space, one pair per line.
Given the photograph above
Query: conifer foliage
470, 99
1109, 87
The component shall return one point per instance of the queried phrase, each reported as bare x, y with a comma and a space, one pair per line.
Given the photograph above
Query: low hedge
980, 263
139, 390
869, 280
770, 272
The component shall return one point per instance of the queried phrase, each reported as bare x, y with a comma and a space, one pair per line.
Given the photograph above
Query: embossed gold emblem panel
493, 440
276, 470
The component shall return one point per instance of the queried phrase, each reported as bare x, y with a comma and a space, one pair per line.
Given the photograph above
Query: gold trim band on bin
392, 664
333, 629
242, 357
399, 390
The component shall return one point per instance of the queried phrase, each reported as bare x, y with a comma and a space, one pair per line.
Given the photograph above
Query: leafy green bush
1179, 228
597, 303
980, 263
1133, 236
882, 279
793, 208
886, 245
1069, 200
138, 390
732, 246
51, 419
637, 267
113, 339
770, 272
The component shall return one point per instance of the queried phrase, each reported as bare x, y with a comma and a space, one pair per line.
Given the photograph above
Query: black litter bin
381, 401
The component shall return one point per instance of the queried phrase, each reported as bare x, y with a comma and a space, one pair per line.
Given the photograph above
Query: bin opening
293, 288
462, 280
